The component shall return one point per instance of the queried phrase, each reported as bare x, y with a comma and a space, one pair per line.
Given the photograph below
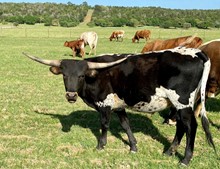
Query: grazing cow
212, 50
117, 35
187, 41
77, 47
91, 39
142, 34
144, 82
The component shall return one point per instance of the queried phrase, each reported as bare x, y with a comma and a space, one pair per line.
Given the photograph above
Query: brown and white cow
91, 39
77, 47
119, 34
187, 41
142, 34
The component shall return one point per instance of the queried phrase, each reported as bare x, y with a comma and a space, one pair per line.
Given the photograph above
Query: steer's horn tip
24, 53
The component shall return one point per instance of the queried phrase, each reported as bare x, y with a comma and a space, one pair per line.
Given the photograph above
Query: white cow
90, 38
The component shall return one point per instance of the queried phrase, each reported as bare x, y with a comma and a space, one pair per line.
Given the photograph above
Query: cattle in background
77, 47
142, 34
141, 82
212, 50
91, 39
119, 34
187, 41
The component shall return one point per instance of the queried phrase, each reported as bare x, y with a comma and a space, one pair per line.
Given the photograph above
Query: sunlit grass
40, 129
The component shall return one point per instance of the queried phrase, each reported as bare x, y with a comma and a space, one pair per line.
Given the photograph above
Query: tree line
70, 15
51, 14
155, 16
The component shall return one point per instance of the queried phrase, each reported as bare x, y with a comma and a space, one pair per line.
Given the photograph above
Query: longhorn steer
212, 50
147, 82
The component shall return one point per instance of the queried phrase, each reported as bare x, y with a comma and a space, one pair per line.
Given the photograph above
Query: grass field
40, 129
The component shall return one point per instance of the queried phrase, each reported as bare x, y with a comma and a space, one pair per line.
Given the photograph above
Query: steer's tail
204, 119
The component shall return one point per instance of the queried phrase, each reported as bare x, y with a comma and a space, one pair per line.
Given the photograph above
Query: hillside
71, 15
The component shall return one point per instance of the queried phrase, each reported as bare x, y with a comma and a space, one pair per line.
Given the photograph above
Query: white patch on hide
113, 101
186, 51
162, 99
173, 97
156, 104
182, 50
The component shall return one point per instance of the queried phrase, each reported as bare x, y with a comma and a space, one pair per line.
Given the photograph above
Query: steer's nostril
71, 96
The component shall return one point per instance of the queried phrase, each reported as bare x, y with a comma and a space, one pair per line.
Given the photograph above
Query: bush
15, 24
30, 20
202, 25
187, 25
68, 23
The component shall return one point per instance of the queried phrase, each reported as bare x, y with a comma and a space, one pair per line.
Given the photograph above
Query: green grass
40, 129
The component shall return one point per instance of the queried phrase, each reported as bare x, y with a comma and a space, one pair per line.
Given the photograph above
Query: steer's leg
171, 119
105, 119
190, 124
186, 123
180, 130
74, 52
126, 126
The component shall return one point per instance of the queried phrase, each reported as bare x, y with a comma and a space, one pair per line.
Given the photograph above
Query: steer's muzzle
71, 96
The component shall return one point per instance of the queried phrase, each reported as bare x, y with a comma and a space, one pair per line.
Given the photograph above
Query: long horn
43, 61
95, 65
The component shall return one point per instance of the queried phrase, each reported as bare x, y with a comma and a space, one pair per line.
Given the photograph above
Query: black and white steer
147, 82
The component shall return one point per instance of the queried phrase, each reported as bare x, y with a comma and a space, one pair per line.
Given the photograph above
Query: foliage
155, 16
70, 15
31, 13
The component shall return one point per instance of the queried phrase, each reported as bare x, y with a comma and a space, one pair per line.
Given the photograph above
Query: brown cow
212, 50
119, 34
77, 47
187, 41
142, 34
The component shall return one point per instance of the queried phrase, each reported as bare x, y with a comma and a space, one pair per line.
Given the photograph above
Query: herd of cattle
159, 77
91, 39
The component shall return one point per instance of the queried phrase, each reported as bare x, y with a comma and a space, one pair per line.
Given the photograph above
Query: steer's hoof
184, 162
100, 148
133, 149
169, 153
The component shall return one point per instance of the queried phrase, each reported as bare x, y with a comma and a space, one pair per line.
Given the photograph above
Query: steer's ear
91, 73
55, 70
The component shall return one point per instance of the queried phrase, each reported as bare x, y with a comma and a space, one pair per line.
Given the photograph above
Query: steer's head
74, 72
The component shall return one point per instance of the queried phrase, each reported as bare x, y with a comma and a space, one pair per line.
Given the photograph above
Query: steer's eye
64, 76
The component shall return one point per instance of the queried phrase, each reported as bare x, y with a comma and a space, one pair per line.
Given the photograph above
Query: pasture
40, 129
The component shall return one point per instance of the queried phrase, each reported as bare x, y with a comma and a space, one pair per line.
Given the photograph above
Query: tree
203, 25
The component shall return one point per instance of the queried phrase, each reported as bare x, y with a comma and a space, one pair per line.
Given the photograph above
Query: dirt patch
88, 17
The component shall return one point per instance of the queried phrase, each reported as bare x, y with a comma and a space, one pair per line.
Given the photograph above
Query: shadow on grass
212, 105
90, 119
